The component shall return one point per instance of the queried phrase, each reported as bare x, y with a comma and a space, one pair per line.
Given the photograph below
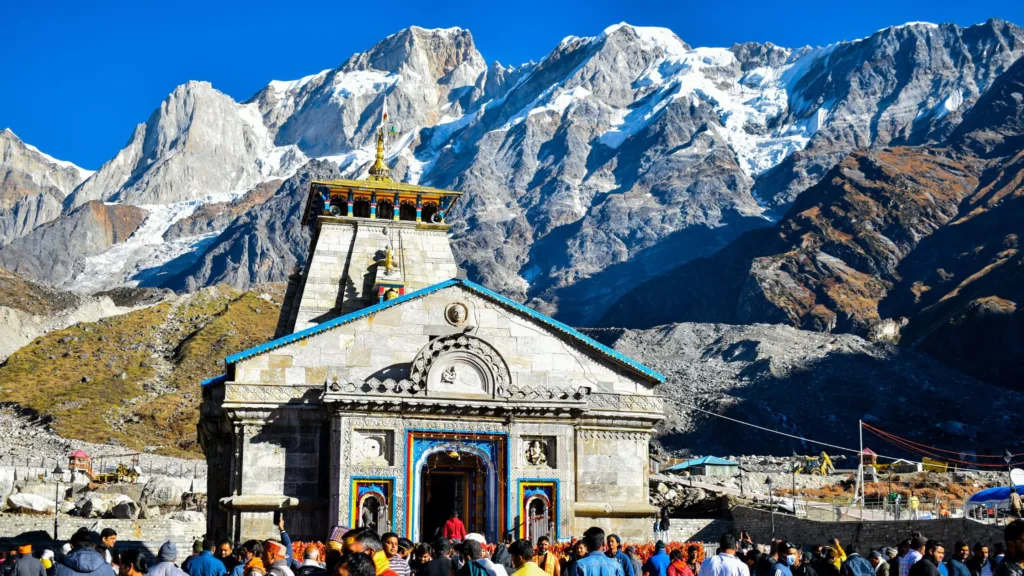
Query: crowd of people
914, 556
362, 552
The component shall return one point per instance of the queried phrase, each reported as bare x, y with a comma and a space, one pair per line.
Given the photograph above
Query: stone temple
396, 390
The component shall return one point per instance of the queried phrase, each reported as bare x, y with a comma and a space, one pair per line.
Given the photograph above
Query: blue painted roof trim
472, 286
324, 326
565, 329
215, 380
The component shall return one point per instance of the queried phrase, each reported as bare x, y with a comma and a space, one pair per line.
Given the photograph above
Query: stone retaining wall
145, 534
859, 536
697, 529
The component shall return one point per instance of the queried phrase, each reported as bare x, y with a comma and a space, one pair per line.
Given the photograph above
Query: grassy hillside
134, 379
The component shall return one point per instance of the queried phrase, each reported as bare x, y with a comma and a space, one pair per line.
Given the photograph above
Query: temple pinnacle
380, 171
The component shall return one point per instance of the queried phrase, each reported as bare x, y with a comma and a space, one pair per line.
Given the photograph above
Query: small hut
79, 460
868, 457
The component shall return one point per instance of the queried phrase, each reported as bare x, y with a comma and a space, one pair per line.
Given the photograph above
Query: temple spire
380, 171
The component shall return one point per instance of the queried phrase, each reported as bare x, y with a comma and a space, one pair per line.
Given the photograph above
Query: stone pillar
396, 208
350, 202
335, 489
419, 208
373, 205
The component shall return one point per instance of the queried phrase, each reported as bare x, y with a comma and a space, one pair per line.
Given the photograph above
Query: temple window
361, 208
429, 210
407, 211
385, 210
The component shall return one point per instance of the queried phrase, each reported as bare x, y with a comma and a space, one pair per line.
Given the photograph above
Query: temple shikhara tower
396, 391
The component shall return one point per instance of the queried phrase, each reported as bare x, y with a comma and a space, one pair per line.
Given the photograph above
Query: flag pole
860, 467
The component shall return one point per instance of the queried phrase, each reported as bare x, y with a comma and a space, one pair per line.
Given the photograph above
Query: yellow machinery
933, 465
820, 465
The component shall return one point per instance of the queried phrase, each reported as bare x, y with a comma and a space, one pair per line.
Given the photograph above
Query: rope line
801, 438
906, 445
957, 452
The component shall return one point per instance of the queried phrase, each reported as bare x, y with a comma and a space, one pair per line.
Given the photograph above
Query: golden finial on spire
380, 170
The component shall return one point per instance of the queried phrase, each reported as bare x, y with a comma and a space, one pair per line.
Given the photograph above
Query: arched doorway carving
483, 481
538, 516
373, 512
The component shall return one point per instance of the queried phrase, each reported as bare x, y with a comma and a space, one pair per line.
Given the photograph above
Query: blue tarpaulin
994, 495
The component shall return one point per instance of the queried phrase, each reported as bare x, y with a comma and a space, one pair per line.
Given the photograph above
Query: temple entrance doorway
452, 480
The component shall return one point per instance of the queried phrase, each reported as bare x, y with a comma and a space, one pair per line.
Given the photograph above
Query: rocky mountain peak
15, 154
32, 186
198, 143
756, 55
995, 126
433, 53
651, 36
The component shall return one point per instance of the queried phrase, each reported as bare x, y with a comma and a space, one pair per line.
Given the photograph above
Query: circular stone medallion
456, 313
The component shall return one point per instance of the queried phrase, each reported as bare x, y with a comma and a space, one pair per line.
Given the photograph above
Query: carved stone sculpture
449, 376
536, 453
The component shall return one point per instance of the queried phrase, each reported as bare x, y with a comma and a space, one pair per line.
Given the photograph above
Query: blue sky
78, 76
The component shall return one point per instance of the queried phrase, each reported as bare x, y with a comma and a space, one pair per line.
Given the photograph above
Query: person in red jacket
454, 529
678, 566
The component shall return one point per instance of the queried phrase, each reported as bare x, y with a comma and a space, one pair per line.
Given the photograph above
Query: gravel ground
811, 385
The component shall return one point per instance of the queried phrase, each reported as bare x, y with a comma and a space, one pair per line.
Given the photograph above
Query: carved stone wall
351, 426
612, 465
385, 344
564, 457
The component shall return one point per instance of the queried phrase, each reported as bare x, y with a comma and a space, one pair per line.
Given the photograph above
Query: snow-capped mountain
612, 159
32, 186
197, 144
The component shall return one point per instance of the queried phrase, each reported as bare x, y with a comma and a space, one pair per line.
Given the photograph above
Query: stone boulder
149, 513
38, 488
30, 503
6, 485
164, 491
124, 508
188, 516
93, 506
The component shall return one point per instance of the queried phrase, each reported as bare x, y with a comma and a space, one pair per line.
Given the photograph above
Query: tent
993, 497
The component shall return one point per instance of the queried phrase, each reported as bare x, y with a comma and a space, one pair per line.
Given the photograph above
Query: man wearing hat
165, 558
27, 564
275, 558
879, 562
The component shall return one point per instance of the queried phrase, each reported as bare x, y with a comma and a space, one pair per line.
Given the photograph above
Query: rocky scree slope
809, 384
611, 160
29, 309
54, 253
